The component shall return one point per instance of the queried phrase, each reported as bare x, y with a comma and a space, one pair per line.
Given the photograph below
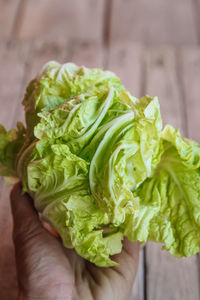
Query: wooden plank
12, 61
161, 80
86, 54
171, 278
154, 22
67, 19
190, 74
166, 275
196, 7
8, 13
125, 60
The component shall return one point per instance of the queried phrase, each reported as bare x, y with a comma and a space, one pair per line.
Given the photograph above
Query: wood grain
190, 75
154, 22
125, 60
13, 57
66, 19
162, 81
171, 278
12, 60
8, 13
89, 54
167, 277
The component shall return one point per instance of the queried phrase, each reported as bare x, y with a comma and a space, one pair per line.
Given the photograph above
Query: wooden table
153, 47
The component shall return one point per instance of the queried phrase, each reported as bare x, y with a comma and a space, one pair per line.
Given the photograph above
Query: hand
47, 270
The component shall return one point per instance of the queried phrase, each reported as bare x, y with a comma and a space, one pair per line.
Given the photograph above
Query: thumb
29, 235
25, 218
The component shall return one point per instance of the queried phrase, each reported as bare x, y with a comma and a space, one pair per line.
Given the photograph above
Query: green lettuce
170, 200
10, 143
99, 166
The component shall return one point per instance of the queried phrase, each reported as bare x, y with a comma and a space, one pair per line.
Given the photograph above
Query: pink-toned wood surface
169, 277
155, 21
162, 81
86, 53
8, 13
12, 62
67, 19
125, 59
189, 64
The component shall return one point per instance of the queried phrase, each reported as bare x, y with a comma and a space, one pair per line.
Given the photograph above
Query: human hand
46, 270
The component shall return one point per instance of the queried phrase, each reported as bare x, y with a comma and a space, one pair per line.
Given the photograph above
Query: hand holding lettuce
99, 166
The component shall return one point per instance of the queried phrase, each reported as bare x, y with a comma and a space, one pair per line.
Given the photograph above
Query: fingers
28, 232
130, 252
118, 280
128, 261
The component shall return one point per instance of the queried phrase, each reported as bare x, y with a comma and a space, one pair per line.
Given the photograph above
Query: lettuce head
99, 165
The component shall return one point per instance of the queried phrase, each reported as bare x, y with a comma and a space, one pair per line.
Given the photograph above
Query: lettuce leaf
10, 144
81, 224
99, 167
170, 200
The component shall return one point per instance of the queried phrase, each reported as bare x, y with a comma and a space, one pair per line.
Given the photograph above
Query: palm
92, 282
